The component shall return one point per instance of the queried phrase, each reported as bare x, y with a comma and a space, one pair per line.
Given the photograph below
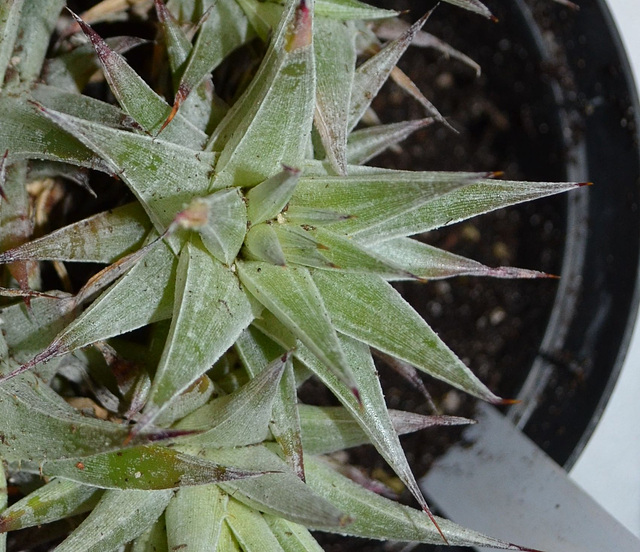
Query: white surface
609, 468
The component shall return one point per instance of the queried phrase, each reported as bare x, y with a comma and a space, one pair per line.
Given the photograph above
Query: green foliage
258, 251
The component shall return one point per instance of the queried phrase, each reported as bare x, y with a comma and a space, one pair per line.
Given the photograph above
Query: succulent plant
258, 251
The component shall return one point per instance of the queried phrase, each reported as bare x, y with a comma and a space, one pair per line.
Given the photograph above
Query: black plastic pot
597, 117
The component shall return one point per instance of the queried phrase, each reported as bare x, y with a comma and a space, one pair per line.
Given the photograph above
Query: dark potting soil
505, 121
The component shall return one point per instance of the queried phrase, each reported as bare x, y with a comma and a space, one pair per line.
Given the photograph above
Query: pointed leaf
224, 29
143, 468
55, 500
241, 418
335, 51
366, 307
250, 529
279, 494
370, 412
139, 159
137, 98
291, 536
369, 199
320, 248
472, 5
154, 539
210, 312
469, 201
351, 9
380, 518
26, 134
195, 517
262, 244
142, 296
256, 352
72, 70
37, 23
329, 429
374, 72
269, 133
290, 294
192, 398
102, 238
118, 518
270, 197
221, 221
365, 144
10, 11
431, 263
37, 424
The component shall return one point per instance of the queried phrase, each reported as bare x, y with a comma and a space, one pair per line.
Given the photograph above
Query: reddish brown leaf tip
496, 174
356, 394
426, 510
162, 11
580, 184
494, 18
508, 402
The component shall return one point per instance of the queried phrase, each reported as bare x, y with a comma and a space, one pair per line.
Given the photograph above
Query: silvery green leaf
27, 333
192, 398
210, 312
431, 263
472, 5
154, 539
57, 499
321, 248
4, 500
38, 424
142, 296
202, 107
227, 542
392, 28
26, 134
102, 238
250, 529
118, 518
270, 197
240, 418
369, 199
37, 23
263, 16
365, 307
16, 225
280, 494
81, 106
195, 517
365, 144
139, 159
259, 84
370, 411
72, 71
475, 198
292, 536
10, 11
224, 29
329, 429
262, 244
351, 9
256, 351
335, 51
291, 295
380, 518
143, 468
136, 98
226, 225
276, 110
374, 72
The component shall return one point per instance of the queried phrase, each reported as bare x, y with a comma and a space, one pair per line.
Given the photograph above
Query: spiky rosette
259, 250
